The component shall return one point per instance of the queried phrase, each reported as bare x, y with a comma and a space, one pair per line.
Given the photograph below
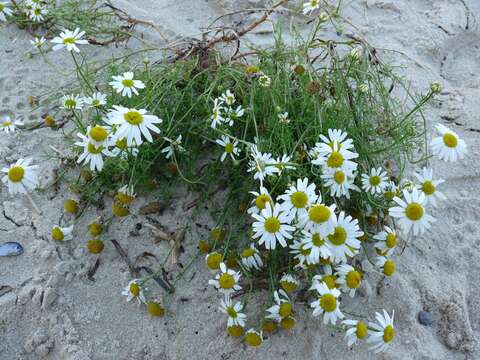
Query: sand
50, 309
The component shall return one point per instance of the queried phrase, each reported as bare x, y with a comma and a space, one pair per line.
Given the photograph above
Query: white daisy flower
62, 233
175, 145
344, 238
381, 333
298, 198
339, 182
310, 6
348, 278
336, 136
122, 149
335, 157
126, 85
133, 123
355, 330
375, 182
283, 118
98, 135
327, 277
391, 190
264, 81
8, 125
134, 290
429, 186
251, 258
235, 316
21, 176
217, 117
229, 148
289, 283
284, 163
72, 102
272, 225
327, 303
91, 153
386, 241
263, 164
233, 114
319, 218
448, 146
301, 253
228, 98
411, 212
4, 11
260, 201
69, 40
283, 307
226, 281
96, 100
38, 42
37, 13
318, 245
386, 265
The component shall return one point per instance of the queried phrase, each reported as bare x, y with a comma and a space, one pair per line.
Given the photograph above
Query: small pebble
424, 318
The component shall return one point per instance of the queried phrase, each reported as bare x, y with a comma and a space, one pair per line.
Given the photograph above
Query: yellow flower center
98, 133
261, 201
304, 251
226, 281
235, 331
389, 268
121, 143
92, 149
69, 40
374, 180
70, 206
217, 234
389, 195
388, 334
16, 173
335, 160
450, 140
252, 69
287, 323
127, 83
328, 302
95, 246
353, 279
155, 309
231, 312
133, 117
362, 330
119, 210
269, 326
214, 260
339, 177
229, 148
428, 188
391, 240
6, 124
319, 213
317, 240
248, 252
272, 225
314, 3
95, 228
134, 289
288, 286
253, 339
2, 7
338, 237
57, 234
285, 309
299, 199
329, 280
95, 102
414, 211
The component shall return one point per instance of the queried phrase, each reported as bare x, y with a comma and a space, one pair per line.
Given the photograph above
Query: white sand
54, 312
